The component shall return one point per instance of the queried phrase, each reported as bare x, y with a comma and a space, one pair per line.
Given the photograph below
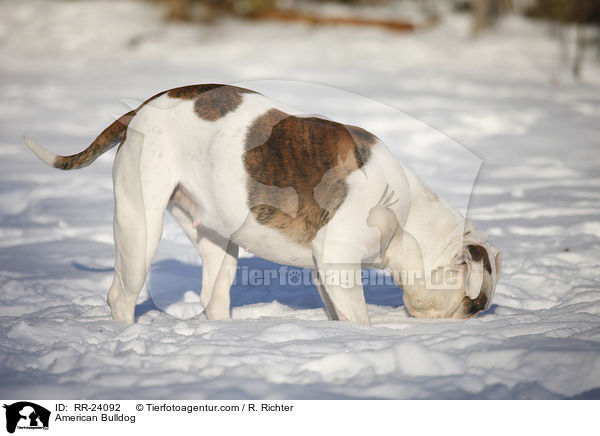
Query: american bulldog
237, 169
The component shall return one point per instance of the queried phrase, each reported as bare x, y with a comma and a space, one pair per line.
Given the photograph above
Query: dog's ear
475, 270
481, 272
497, 261
484, 266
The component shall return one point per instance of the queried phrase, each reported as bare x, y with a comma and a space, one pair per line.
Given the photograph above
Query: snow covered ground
66, 69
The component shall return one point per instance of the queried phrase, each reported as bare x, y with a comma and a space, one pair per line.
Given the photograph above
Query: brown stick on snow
281, 15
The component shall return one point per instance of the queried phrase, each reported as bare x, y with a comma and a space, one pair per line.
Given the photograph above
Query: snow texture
69, 68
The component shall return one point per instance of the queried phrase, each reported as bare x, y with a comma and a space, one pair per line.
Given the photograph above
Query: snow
69, 68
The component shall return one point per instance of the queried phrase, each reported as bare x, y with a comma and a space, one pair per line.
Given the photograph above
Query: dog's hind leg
219, 261
140, 202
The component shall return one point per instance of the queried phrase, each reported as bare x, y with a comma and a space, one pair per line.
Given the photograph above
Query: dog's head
479, 268
456, 282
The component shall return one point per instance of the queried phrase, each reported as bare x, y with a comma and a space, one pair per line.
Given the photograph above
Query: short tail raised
111, 136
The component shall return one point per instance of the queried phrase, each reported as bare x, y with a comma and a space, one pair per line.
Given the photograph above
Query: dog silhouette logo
26, 415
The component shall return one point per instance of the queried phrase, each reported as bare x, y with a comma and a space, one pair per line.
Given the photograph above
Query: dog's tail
111, 136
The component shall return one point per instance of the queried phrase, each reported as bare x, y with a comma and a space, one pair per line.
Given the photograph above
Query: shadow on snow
287, 285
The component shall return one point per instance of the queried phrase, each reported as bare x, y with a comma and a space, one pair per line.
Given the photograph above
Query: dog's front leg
340, 284
329, 307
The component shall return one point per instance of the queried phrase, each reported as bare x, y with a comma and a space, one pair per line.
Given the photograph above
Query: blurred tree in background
564, 13
487, 12
564, 16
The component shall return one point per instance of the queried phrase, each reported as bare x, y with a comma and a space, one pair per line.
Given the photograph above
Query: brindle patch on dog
311, 155
190, 92
211, 101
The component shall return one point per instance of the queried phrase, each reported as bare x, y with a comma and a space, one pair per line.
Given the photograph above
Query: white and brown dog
236, 169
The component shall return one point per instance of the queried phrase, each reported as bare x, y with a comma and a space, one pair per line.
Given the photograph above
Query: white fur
45, 155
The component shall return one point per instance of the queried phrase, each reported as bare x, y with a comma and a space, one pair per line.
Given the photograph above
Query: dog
235, 168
